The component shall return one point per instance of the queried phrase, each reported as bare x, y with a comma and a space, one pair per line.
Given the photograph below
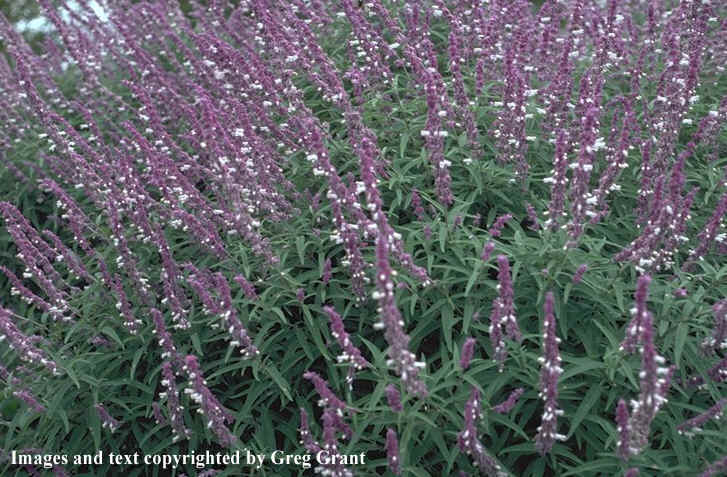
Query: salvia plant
455, 237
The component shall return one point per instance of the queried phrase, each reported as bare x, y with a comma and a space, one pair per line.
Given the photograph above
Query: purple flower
106, 419
216, 416
497, 338
469, 443
164, 339
468, 351
709, 235
393, 398
578, 276
718, 340
496, 229
392, 452
416, 203
247, 288
624, 433
331, 423
558, 181
639, 313
487, 251
654, 386
327, 398
305, 435
351, 353
632, 472
237, 333
505, 300
427, 232
400, 358
506, 406
326, 276
23, 345
171, 394
549, 375
25, 396
203, 282
694, 424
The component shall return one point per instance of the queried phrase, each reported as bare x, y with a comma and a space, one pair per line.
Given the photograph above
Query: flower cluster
470, 444
106, 419
216, 415
351, 353
503, 313
222, 306
468, 351
655, 380
718, 340
24, 345
393, 398
694, 424
333, 424
392, 452
549, 375
508, 404
634, 330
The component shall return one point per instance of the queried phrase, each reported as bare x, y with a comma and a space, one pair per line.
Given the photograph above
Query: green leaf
587, 403
679, 341
280, 381
300, 247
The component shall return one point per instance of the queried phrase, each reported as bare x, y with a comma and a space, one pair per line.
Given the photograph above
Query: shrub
294, 218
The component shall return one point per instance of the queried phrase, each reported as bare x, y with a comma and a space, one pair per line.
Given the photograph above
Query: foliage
231, 185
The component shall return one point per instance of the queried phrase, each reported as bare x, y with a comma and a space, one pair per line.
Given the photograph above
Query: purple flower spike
578, 276
393, 398
164, 338
503, 313
326, 275
506, 406
247, 288
632, 472
305, 435
22, 344
25, 396
551, 370
171, 394
351, 354
487, 251
469, 443
638, 312
392, 452
718, 340
622, 425
106, 419
496, 337
694, 424
507, 298
216, 416
330, 443
327, 398
468, 351
655, 382
496, 229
